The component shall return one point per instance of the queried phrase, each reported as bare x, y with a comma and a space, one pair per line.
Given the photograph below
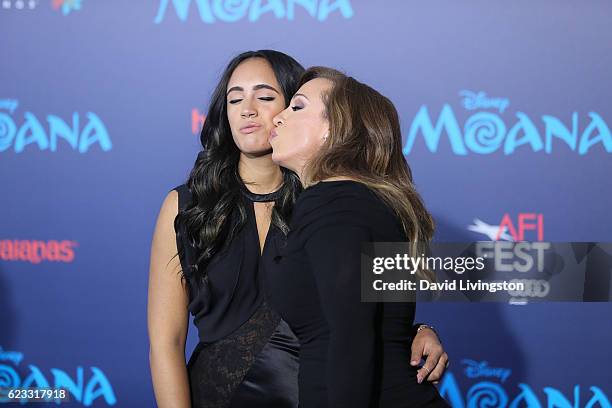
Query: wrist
423, 326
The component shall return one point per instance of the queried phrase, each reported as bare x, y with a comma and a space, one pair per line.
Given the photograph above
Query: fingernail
413, 362
419, 379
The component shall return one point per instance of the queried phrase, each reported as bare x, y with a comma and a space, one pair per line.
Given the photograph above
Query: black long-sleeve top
353, 354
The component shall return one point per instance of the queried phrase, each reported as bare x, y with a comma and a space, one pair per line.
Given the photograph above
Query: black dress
247, 356
352, 354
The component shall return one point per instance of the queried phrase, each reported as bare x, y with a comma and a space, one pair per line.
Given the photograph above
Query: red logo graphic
197, 121
35, 252
66, 6
525, 222
508, 231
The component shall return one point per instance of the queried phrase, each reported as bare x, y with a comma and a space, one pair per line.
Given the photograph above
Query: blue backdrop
506, 114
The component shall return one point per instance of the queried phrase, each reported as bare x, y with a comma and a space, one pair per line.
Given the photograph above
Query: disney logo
9, 104
480, 100
476, 369
14, 356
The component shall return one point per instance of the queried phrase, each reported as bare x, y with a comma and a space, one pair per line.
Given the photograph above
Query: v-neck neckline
260, 249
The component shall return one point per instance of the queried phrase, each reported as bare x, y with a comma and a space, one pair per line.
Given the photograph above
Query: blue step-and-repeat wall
506, 108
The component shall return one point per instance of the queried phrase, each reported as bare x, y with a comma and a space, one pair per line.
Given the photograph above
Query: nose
278, 119
248, 111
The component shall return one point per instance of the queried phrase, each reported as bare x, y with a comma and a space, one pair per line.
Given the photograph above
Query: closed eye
296, 108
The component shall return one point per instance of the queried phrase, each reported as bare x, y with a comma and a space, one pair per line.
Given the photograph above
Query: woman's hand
427, 345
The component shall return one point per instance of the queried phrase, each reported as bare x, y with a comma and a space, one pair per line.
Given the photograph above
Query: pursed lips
273, 134
250, 128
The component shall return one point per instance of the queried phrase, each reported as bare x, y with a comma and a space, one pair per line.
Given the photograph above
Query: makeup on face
253, 98
300, 129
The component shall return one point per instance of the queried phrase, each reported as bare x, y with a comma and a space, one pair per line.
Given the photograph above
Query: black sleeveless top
247, 356
234, 291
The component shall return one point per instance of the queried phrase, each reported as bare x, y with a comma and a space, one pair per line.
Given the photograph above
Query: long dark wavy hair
215, 183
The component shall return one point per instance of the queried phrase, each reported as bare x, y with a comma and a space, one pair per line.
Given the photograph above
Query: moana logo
487, 132
87, 387
230, 11
488, 392
80, 133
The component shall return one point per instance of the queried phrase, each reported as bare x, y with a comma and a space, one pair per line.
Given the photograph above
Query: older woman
342, 138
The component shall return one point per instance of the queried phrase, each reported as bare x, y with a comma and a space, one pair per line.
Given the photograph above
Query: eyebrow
255, 88
302, 95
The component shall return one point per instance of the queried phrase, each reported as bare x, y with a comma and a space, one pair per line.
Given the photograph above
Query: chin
276, 158
281, 161
254, 142
257, 150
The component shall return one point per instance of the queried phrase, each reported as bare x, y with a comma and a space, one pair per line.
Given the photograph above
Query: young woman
218, 224
343, 140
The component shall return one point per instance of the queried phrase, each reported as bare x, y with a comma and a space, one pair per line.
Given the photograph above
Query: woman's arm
334, 255
167, 314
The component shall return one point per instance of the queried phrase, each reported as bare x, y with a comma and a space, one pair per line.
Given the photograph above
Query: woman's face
253, 98
302, 128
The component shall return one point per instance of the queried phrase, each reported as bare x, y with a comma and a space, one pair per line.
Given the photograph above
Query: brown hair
365, 144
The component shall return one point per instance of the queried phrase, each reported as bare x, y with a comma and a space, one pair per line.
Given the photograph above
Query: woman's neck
300, 171
260, 174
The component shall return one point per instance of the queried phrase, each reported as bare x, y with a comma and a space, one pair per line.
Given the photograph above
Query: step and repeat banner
506, 108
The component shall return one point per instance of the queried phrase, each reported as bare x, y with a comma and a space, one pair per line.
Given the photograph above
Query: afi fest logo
82, 133
513, 253
491, 129
230, 11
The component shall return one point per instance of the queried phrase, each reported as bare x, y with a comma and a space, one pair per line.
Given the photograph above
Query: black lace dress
247, 356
